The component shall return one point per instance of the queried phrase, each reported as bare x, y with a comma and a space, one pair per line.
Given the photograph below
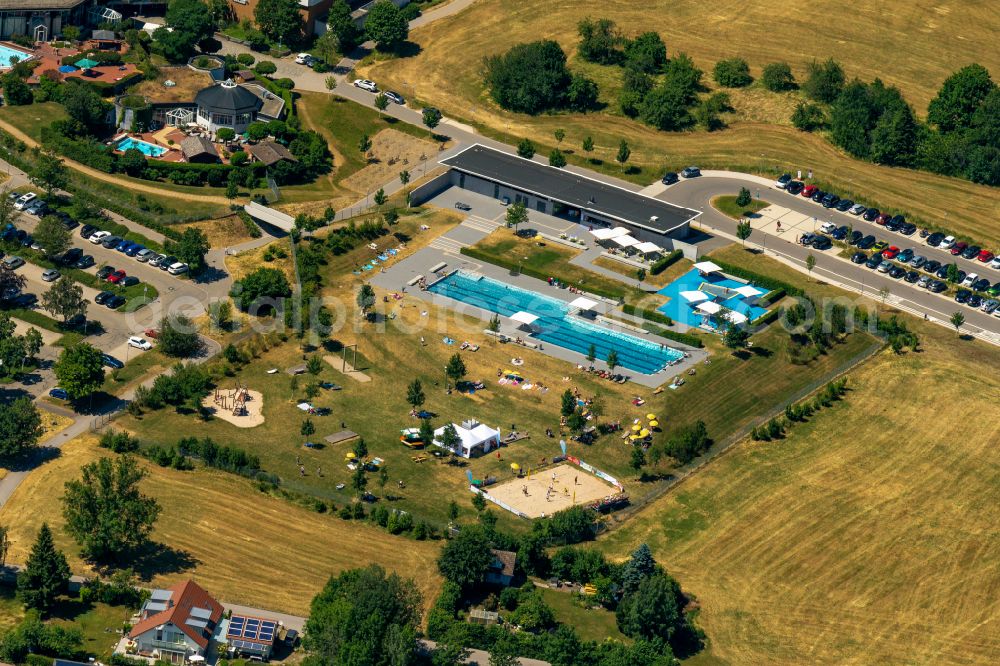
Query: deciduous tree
824, 81
52, 235
280, 20
105, 511
777, 77
80, 370
386, 26
20, 427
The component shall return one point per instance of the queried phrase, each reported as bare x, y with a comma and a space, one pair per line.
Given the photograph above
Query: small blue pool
555, 325
719, 287
144, 147
7, 54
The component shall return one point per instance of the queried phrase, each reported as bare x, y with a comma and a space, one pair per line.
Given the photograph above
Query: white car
303, 59
365, 84
856, 209
995, 263
139, 343
970, 279
144, 255
947, 243
98, 236
178, 268
23, 202
827, 228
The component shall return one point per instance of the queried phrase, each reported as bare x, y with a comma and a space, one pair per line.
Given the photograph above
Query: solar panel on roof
195, 622
160, 595
202, 613
156, 606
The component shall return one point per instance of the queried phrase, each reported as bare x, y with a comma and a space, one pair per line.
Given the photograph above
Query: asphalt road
698, 192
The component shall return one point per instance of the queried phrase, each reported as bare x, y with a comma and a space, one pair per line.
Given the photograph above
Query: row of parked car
132, 249
906, 264
894, 223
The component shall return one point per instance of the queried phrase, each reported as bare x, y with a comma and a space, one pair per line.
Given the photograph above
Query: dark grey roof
228, 99
39, 4
103, 35
570, 188
270, 152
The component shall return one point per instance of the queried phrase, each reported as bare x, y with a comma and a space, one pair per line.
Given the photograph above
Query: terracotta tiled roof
184, 597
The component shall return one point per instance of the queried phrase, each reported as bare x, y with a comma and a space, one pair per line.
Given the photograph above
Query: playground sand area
572, 486
221, 407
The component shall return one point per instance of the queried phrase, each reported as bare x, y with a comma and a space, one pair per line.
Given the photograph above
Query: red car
958, 248
808, 191
883, 219
116, 277
152, 333
890, 252
985, 256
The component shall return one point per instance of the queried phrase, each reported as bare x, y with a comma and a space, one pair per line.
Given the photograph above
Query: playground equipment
234, 401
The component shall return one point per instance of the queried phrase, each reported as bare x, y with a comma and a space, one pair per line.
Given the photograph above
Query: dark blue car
59, 394
134, 249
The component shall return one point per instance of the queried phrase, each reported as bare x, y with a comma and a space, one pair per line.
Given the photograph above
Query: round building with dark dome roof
227, 105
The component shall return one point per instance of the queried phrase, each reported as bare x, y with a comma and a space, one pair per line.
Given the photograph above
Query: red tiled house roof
184, 598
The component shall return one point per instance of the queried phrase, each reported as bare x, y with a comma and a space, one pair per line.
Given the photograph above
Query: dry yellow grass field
868, 536
914, 46
246, 547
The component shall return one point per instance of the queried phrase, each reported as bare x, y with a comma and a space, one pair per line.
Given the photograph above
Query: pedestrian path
481, 224
447, 244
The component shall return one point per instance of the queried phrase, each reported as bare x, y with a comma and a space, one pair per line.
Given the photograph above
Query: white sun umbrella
709, 307
707, 267
747, 291
648, 247
583, 303
525, 318
736, 317
694, 296
624, 241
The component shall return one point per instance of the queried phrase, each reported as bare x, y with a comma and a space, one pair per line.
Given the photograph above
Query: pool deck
446, 249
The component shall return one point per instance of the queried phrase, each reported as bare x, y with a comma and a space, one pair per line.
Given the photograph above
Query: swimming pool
554, 324
6, 53
719, 287
144, 147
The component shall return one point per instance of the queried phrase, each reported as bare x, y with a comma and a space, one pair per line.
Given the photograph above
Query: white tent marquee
747, 291
624, 241
709, 307
647, 247
607, 234
583, 303
474, 438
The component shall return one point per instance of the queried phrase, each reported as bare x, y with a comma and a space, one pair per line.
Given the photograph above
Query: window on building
540, 206
222, 119
496, 190
461, 180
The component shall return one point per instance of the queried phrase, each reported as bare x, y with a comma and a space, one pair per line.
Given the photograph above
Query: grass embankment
867, 516
207, 518
727, 205
544, 259
901, 47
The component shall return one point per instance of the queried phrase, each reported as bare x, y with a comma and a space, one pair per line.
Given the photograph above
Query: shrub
777, 77
732, 73
664, 262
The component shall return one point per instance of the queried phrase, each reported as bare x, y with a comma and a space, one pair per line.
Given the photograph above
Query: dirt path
117, 180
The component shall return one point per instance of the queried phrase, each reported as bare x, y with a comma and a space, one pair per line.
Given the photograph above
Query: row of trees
872, 121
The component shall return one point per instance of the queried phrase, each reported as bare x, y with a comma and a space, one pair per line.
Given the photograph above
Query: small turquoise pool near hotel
555, 325
7, 53
144, 147
716, 285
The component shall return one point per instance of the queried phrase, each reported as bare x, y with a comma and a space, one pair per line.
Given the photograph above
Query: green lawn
32, 118
595, 624
138, 364
727, 206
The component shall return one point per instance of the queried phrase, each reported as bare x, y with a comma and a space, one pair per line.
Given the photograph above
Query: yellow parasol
634, 437
350, 455
515, 466
654, 423
637, 427
651, 417
643, 433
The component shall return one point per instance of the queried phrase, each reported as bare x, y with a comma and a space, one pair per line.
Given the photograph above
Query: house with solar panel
250, 636
176, 624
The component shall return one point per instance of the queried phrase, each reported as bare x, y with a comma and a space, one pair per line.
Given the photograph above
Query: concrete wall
430, 189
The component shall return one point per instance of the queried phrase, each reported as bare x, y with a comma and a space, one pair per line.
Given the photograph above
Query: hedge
762, 280
767, 318
684, 338
651, 315
531, 272
771, 296
283, 93
665, 262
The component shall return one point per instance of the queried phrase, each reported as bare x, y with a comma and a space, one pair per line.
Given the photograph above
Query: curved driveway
697, 193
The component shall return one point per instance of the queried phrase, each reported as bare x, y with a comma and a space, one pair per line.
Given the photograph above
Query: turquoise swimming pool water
555, 325
6, 53
717, 286
144, 147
